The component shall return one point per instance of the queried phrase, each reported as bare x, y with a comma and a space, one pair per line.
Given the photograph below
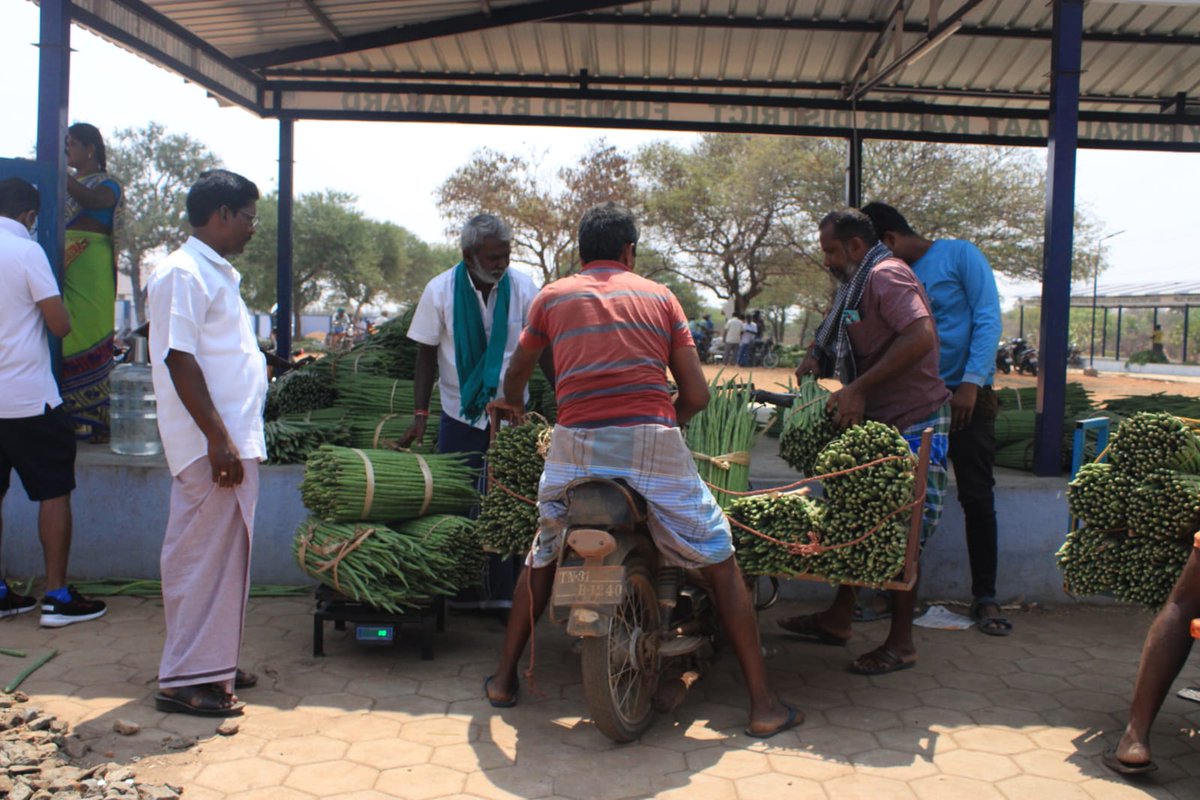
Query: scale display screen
375, 634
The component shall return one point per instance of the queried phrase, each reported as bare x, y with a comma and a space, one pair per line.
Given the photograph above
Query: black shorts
42, 451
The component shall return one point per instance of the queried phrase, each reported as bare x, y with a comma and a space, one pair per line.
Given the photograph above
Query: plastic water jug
133, 410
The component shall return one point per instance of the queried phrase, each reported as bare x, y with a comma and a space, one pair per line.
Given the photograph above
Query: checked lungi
206, 575
687, 525
935, 478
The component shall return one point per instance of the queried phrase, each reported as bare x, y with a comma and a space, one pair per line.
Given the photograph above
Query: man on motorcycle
614, 334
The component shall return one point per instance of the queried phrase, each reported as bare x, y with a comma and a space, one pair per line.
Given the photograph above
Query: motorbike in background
1004, 361
1075, 356
1024, 357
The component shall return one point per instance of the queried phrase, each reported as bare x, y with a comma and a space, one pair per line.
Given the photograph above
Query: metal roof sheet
792, 65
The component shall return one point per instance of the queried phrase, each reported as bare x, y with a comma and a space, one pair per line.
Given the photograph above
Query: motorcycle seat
603, 503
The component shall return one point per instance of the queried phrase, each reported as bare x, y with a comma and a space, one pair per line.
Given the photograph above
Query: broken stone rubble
36, 751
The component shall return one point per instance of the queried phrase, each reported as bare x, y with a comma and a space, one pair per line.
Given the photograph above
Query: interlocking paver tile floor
1023, 717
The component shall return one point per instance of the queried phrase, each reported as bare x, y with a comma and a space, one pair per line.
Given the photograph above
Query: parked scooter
1025, 358
765, 353
1074, 356
1004, 361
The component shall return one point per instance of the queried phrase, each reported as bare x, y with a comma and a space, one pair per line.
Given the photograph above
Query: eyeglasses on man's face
252, 219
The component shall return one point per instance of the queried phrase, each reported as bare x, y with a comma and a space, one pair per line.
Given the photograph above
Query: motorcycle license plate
592, 586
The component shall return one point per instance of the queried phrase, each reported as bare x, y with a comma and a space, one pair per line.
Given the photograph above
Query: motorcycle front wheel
620, 669
771, 360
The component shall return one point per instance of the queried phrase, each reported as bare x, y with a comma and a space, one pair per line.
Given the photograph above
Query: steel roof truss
536, 11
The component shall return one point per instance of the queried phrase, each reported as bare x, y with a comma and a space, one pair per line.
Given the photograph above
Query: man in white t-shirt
466, 325
211, 383
733, 339
36, 438
749, 333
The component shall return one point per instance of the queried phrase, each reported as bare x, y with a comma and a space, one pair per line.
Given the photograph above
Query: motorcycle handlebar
774, 398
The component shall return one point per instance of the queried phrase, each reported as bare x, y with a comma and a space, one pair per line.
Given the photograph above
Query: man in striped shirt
614, 334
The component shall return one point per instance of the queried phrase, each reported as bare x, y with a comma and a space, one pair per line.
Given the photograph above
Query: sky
394, 168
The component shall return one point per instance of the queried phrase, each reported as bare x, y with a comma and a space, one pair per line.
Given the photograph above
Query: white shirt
26, 279
433, 324
195, 307
733, 330
749, 331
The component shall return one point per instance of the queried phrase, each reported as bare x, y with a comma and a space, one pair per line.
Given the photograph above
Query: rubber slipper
245, 680
1124, 767
509, 703
807, 627
885, 661
794, 718
216, 705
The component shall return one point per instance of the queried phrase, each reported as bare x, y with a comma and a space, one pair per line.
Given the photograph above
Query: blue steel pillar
54, 78
1065, 60
854, 153
283, 290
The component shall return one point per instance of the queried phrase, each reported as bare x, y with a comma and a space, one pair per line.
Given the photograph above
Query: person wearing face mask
36, 437
466, 326
93, 207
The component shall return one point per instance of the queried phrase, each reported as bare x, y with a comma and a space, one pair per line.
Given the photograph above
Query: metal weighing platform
374, 626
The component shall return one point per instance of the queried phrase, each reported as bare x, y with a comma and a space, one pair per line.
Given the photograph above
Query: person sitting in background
89, 281
1168, 643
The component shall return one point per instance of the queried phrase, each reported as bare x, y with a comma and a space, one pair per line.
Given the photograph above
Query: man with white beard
466, 325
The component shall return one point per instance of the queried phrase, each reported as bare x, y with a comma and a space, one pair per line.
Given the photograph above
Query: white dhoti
206, 576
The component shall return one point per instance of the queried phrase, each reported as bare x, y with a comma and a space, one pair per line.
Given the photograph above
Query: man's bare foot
779, 719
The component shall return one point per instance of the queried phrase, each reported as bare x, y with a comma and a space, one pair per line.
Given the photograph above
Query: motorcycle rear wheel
620, 669
771, 360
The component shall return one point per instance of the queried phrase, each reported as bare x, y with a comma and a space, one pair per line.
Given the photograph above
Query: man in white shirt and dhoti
211, 382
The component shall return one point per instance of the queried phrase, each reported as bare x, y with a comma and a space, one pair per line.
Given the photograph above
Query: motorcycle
1029, 362
647, 629
1074, 356
1004, 361
765, 354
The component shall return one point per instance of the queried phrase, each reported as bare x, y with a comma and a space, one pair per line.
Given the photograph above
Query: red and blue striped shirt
612, 334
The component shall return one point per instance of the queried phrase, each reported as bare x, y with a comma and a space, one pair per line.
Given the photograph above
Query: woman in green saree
90, 281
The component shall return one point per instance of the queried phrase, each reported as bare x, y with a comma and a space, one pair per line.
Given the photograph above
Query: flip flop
885, 660
807, 627
794, 718
1124, 767
990, 626
205, 700
509, 703
245, 680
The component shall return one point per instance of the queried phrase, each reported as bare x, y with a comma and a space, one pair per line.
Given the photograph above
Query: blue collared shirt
966, 307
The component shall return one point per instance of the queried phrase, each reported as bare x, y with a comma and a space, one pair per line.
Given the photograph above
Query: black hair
850, 223
216, 189
88, 134
604, 231
18, 196
887, 219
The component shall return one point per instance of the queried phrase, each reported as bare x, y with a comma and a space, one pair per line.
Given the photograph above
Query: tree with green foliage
744, 210
335, 252
156, 169
543, 212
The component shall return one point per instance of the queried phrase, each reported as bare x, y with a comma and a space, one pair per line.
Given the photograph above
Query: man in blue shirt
966, 308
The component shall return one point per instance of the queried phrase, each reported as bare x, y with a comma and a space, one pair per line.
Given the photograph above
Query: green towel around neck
477, 358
